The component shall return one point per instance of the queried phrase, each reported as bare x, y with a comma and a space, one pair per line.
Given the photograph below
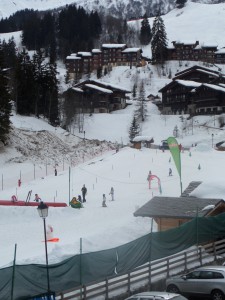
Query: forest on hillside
29, 83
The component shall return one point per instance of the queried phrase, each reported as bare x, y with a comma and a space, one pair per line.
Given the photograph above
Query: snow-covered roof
215, 87
198, 47
77, 90
209, 46
188, 83
84, 53
127, 50
185, 42
208, 207
208, 72
111, 85
113, 45
171, 47
222, 144
73, 57
142, 138
220, 51
95, 87
205, 71
96, 51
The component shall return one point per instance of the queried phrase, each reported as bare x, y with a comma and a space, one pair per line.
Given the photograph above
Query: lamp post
43, 213
212, 139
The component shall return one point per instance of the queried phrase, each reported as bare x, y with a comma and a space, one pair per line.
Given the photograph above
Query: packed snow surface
125, 170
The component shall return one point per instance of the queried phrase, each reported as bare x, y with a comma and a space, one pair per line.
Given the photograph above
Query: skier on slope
104, 201
84, 192
112, 193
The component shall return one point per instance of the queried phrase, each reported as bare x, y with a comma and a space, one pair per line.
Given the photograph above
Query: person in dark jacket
104, 201
84, 192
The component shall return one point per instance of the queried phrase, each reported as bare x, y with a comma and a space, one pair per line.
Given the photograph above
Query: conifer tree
39, 81
141, 110
145, 34
134, 91
5, 104
159, 41
51, 94
24, 84
180, 3
134, 129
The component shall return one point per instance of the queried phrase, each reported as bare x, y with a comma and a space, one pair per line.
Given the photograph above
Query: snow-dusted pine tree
145, 34
180, 3
134, 129
141, 110
5, 104
159, 41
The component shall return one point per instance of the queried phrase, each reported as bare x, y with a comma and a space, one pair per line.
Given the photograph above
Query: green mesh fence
31, 280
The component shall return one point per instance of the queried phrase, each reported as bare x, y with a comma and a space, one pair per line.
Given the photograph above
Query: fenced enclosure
148, 275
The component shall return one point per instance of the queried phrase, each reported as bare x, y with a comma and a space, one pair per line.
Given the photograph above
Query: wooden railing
147, 274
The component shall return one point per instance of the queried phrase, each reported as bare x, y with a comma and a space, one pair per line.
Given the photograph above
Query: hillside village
196, 90
110, 55
185, 99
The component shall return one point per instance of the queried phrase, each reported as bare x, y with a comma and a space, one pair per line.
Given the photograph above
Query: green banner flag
175, 151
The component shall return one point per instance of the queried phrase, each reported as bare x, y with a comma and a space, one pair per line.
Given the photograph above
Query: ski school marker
54, 240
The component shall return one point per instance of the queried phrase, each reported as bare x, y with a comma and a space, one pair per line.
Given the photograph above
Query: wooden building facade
201, 74
112, 54
92, 96
192, 51
172, 212
139, 141
209, 99
177, 97
109, 55
194, 91
220, 56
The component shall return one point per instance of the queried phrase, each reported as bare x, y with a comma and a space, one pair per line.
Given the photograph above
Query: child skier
112, 193
37, 198
104, 201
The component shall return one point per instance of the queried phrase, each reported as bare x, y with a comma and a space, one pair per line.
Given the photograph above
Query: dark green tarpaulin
31, 280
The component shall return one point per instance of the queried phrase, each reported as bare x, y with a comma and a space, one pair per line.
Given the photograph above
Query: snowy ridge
126, 8
202, 16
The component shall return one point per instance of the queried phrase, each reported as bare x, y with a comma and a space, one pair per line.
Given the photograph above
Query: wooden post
168, 267
106, 289
85, 292
150, 275
214, 250
128, 282
185, 261
200, 255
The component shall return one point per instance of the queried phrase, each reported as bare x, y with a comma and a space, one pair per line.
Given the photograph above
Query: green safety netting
28, 281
